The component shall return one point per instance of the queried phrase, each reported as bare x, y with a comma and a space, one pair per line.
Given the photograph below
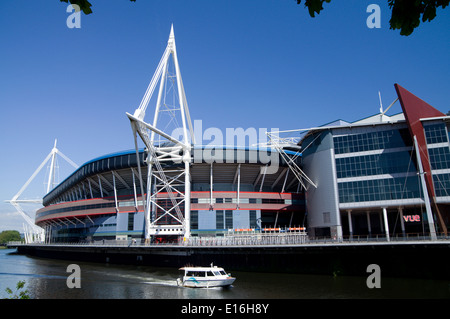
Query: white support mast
163, 185
33, 232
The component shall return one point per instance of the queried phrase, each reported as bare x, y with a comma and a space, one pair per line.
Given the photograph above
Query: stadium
101, 200
379, 177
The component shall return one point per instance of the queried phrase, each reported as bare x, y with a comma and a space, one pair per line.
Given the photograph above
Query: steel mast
163, 185
38, 233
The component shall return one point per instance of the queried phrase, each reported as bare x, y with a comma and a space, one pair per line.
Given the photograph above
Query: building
372, 181
367, 175
379, 176
101, 200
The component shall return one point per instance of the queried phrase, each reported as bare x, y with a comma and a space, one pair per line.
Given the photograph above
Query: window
219, 219
229, 219
130, 221
372, 141
194, 219
435, 133
384, 163
252, 217
442, 184
439, 157
380, 189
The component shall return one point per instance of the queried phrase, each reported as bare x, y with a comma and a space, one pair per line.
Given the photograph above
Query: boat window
216, 273
222, 272
196, 273
210, 274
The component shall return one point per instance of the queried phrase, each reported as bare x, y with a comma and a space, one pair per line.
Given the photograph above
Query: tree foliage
406, 14
9, 235
18, 294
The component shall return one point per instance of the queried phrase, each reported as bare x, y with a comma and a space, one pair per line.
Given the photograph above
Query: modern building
368, 180
382, 175
379, 176
101, 200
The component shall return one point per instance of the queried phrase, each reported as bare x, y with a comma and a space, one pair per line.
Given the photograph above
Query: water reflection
46, 279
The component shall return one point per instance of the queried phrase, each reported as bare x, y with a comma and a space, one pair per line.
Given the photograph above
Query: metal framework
164, 199
34, 233
279, 144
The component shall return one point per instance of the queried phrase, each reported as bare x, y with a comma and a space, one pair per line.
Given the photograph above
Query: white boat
205, 277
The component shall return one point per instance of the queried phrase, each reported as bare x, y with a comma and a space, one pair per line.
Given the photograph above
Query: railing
254, 239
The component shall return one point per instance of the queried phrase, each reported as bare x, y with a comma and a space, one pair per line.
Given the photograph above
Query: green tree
406, 14
9, 235
18, 294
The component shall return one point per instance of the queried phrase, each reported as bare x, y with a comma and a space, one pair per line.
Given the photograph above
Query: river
47, 279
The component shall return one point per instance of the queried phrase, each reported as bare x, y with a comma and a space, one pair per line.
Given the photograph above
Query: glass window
229, 219
219, 219
372, 141
439, 157
384, 163
381, 189
435, 133
252, 217
194, 219
442, 184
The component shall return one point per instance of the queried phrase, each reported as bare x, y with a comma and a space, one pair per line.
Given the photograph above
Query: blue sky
261, 64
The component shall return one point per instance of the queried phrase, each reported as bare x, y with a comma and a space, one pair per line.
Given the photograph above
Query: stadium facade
101, 199
369, 183
381, 176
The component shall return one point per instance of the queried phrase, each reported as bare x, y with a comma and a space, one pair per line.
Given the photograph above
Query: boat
205, 277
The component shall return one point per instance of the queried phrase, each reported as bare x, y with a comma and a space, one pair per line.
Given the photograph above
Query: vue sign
412, 218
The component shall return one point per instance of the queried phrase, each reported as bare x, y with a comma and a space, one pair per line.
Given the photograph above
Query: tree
406, 14
18, 294
9, 235
84, 5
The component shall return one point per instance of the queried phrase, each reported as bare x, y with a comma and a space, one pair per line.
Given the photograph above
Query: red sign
412, 218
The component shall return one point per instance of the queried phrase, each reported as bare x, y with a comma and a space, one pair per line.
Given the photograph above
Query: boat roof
199, 268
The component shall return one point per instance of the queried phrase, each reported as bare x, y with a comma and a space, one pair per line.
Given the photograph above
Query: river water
47, 279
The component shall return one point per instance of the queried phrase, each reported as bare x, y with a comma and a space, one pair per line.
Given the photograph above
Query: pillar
350, 225
402, 221
369, 226
386, 225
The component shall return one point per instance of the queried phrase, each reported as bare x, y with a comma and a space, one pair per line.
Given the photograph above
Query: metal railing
253, 239
257, 239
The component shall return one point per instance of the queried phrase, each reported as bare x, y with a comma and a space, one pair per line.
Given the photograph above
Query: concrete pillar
386, 225
381, 221
350, 224
369, 226
402, 221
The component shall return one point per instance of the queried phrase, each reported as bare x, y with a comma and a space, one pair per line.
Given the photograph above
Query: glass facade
384, 163
435, 133
379, 189
442, 184
372, 141
439, 157
394, 160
